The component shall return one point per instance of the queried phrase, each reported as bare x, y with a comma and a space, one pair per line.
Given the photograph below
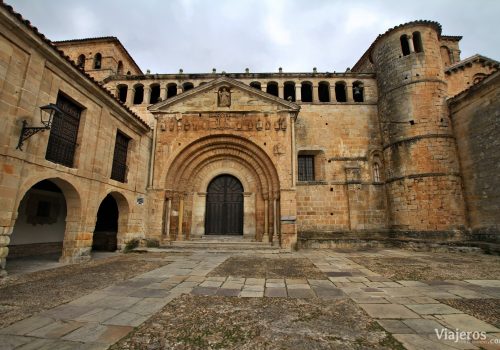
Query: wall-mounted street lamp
46, 115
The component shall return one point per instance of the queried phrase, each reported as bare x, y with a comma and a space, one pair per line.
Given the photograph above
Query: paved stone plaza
409, 310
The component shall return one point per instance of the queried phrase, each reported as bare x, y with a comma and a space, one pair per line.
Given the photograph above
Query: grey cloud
262, 35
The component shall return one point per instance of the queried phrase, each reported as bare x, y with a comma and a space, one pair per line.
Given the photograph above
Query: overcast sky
231, 35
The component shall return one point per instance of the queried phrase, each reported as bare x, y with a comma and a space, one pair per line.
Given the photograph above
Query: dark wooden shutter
119, 170
64, 133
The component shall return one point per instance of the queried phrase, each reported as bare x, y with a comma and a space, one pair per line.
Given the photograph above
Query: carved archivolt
183, 171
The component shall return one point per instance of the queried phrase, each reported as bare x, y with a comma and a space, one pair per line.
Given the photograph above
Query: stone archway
112, 222
106, 226
187, 179
47, 220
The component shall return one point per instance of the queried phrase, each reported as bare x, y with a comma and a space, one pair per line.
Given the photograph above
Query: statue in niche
224, 97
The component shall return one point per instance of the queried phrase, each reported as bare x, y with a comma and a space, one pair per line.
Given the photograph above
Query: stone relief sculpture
224, 97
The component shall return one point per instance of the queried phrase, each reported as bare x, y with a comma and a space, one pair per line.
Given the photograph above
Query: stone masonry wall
476, 121
30, 78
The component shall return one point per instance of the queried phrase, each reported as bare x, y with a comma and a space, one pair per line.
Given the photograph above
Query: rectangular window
306, 168
64, 132
119, 170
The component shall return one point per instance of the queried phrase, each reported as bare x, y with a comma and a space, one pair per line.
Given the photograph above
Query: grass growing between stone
433, 266
197, 322
487, 310
25, 295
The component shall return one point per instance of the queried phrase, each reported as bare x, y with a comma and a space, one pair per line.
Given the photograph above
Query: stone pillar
333, 96
410, 43
349, 93
130, 96
147, 95
298, 92
281, 90
315, 93
4, 249
263, 87
181, 219
163, 93
179, 89
265, 237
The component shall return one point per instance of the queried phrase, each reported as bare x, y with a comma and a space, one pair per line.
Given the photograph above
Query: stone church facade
397, 150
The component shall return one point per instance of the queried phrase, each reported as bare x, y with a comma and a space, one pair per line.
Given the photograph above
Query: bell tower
423, 181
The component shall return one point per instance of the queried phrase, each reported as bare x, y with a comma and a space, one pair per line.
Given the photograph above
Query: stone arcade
400, 149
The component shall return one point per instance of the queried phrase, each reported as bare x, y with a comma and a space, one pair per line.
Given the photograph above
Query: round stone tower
422, 171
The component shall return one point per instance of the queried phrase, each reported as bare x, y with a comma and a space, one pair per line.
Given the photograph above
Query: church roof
468, 61
475, 87
112, 39
61, 54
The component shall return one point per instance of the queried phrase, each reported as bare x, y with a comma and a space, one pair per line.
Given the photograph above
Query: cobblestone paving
408, 309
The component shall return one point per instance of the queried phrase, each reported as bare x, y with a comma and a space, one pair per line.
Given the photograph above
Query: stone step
220, 243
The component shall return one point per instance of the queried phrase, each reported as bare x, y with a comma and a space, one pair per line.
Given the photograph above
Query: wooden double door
224, 209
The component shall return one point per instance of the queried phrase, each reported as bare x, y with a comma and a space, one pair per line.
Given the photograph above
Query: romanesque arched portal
195, 167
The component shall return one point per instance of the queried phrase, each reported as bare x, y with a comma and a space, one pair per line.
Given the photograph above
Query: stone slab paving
407, 309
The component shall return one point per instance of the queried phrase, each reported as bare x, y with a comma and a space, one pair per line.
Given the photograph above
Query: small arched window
171, 90
417, 42
119, 69
306, 91
81, 61
155, 94
272, 88
324, 91
138, 94
122, 93
358, 91
256, 85
405, 46
289, 91
187, 86
97, 61
340, 92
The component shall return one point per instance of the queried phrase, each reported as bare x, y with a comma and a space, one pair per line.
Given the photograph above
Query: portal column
265, 237
181, 219
166, 225
275, 220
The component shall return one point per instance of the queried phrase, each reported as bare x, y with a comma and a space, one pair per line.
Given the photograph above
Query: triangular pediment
223, 94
